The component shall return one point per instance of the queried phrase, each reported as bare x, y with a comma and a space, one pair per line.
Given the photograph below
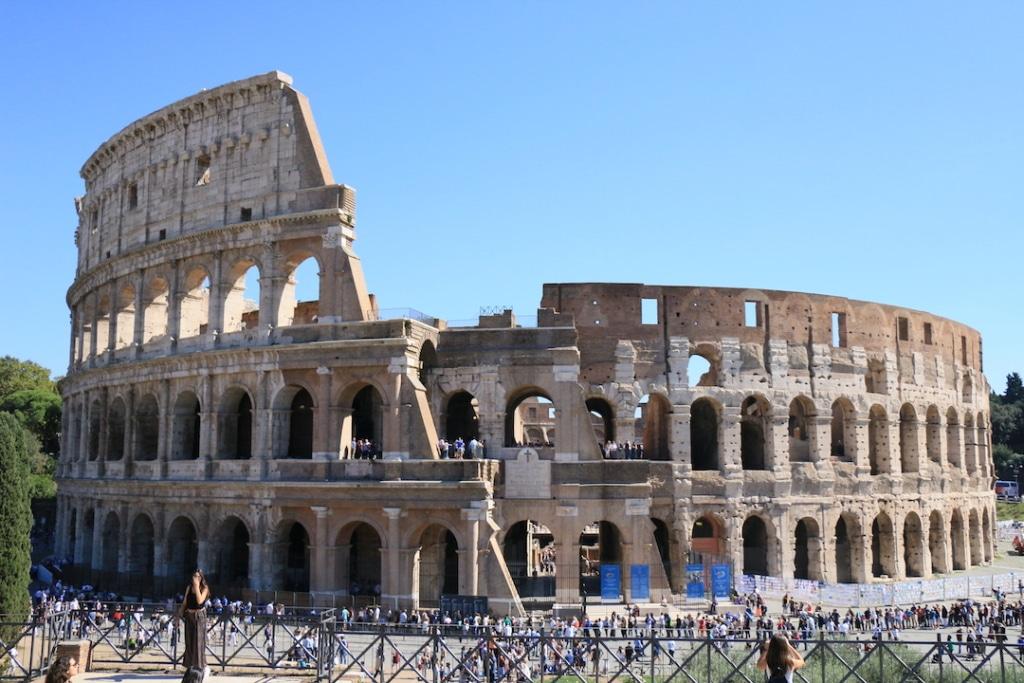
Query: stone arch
95, 429
848, 548
147, 428
801, 419
759, 546
702, 367
437, 557
808, 558
300, 266
358, 559
754, 431
155, 309
116, 416
843, 429
707, 537
368, 417
913, 546
600, 543
602, 419
141, 555
878, 441
182, 556
883, 547
194, 306
427, 362
462, 416
937, 542
953, 439
232, 554
187, 427
956, 536
705, 421
125, 311
111, 545
235, 429
87, 534
293, 424
72, 533
242, 296
528, 548
909, 427
974, 536
654, 426
933, 435
292, 557
538, 415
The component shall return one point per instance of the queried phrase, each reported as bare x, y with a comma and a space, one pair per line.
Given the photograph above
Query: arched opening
956, 537
182, 553
530, 419
662, 541
140, 553
232, 555
908, 439
102, 327
300, 296
358, 560
600, 544
913, 546
703, 435
187, 427
845, 569
937, 542
115, 429
95, 428
125, 317
154, 312
707, 539
147, 428
933, 435
702, 369
86, 534
367, 422
294, 545
111, 546
242, 303
652, 421
878, 440
883, 547
755, 547
529, 552
602, 420
807, 561
970, 450
72, 533
427, 362
438, 560
953, 438
300, 426
844, 430
235, 433
801, 416
194, 308
986, 536
974, 536
462, 417
753, 431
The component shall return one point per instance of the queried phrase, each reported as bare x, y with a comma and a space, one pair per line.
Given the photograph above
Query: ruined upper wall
606, 313
243, 151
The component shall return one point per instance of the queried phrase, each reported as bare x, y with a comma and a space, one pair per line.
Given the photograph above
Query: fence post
224, 640
543, 658
821, 651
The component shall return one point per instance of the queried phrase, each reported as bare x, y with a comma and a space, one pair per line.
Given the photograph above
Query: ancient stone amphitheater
211, 418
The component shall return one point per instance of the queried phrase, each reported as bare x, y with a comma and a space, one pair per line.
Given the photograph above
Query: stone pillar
263, 415
128, 455
207, 425
94, 320
218, 293
469, 576
567, 558
679, 437
99, 517
322, 422
729, 459
777, 443
104, 434
318, 579
174, 297
166, 422
391, 592
139, 333
112, 326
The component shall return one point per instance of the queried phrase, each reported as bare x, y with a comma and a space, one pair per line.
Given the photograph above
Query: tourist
193, 612
62, 670
779, 659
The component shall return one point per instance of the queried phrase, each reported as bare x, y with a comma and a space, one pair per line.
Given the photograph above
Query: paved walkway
131, 676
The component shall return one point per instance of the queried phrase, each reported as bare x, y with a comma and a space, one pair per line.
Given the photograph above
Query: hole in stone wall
649, 311
751, 317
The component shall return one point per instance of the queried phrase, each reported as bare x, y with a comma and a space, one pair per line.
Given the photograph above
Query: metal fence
331, 650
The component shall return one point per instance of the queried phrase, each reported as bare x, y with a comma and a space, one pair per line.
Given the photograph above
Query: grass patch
1009, 511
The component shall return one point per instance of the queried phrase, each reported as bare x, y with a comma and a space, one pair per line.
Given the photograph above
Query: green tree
16, 375
1014, 388
38, 410
1005, 461
15, 520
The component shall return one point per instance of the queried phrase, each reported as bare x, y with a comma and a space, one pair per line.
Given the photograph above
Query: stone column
174, 297
207, 425
164, 445
263, 415
567, 558
322, 422
104, 434
128, 455
679, 437
99, 518
318, 579
112, 326
729, 459
777, 443
94, 320
469, 576
139, 323
390, 590
218, 292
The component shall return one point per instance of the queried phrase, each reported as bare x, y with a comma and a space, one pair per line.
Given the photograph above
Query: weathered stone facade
822, 438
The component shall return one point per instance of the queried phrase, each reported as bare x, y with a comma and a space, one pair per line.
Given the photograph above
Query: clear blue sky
872, 150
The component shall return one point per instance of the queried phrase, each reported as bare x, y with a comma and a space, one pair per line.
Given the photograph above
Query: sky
872, 150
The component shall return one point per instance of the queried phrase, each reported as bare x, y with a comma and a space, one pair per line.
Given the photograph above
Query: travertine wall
822, 438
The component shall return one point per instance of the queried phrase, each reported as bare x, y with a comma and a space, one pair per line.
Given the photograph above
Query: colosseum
212, 419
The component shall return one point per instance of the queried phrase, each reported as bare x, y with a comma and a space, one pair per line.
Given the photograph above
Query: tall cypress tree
15, 521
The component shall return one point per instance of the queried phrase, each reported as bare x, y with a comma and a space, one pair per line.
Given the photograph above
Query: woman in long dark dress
193, 612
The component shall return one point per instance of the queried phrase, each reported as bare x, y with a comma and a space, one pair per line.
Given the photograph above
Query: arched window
844, 430
801, 415
140, 552
953, 438
300, 426
883, 547
970, 445
358, 560
462, 417
300, 297
600, 543
529, 552
182, 552
908, 439
933, 435
194, 310
111, 549
703, 435
702, 367
147, 428
755, 547
235, 433
807, 560
846, 528
529, 419
707, 539
653, 424
753, 431
293, 558
187, 427
102, 328
602, 419
95, 429
125, 317
154, 314
956, 537
913, 545
242, 300
115, 429
974, 537
232, 568
937, 542
438, 561
367, 420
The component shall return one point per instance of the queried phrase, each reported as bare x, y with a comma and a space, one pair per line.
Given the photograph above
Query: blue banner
639, 582
611, 581
721, 580
695, 581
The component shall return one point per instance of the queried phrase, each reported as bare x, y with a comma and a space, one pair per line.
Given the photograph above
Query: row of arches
136, 312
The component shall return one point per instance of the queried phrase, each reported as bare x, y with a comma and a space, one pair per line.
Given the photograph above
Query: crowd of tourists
365, 449
459, 449
623, 451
